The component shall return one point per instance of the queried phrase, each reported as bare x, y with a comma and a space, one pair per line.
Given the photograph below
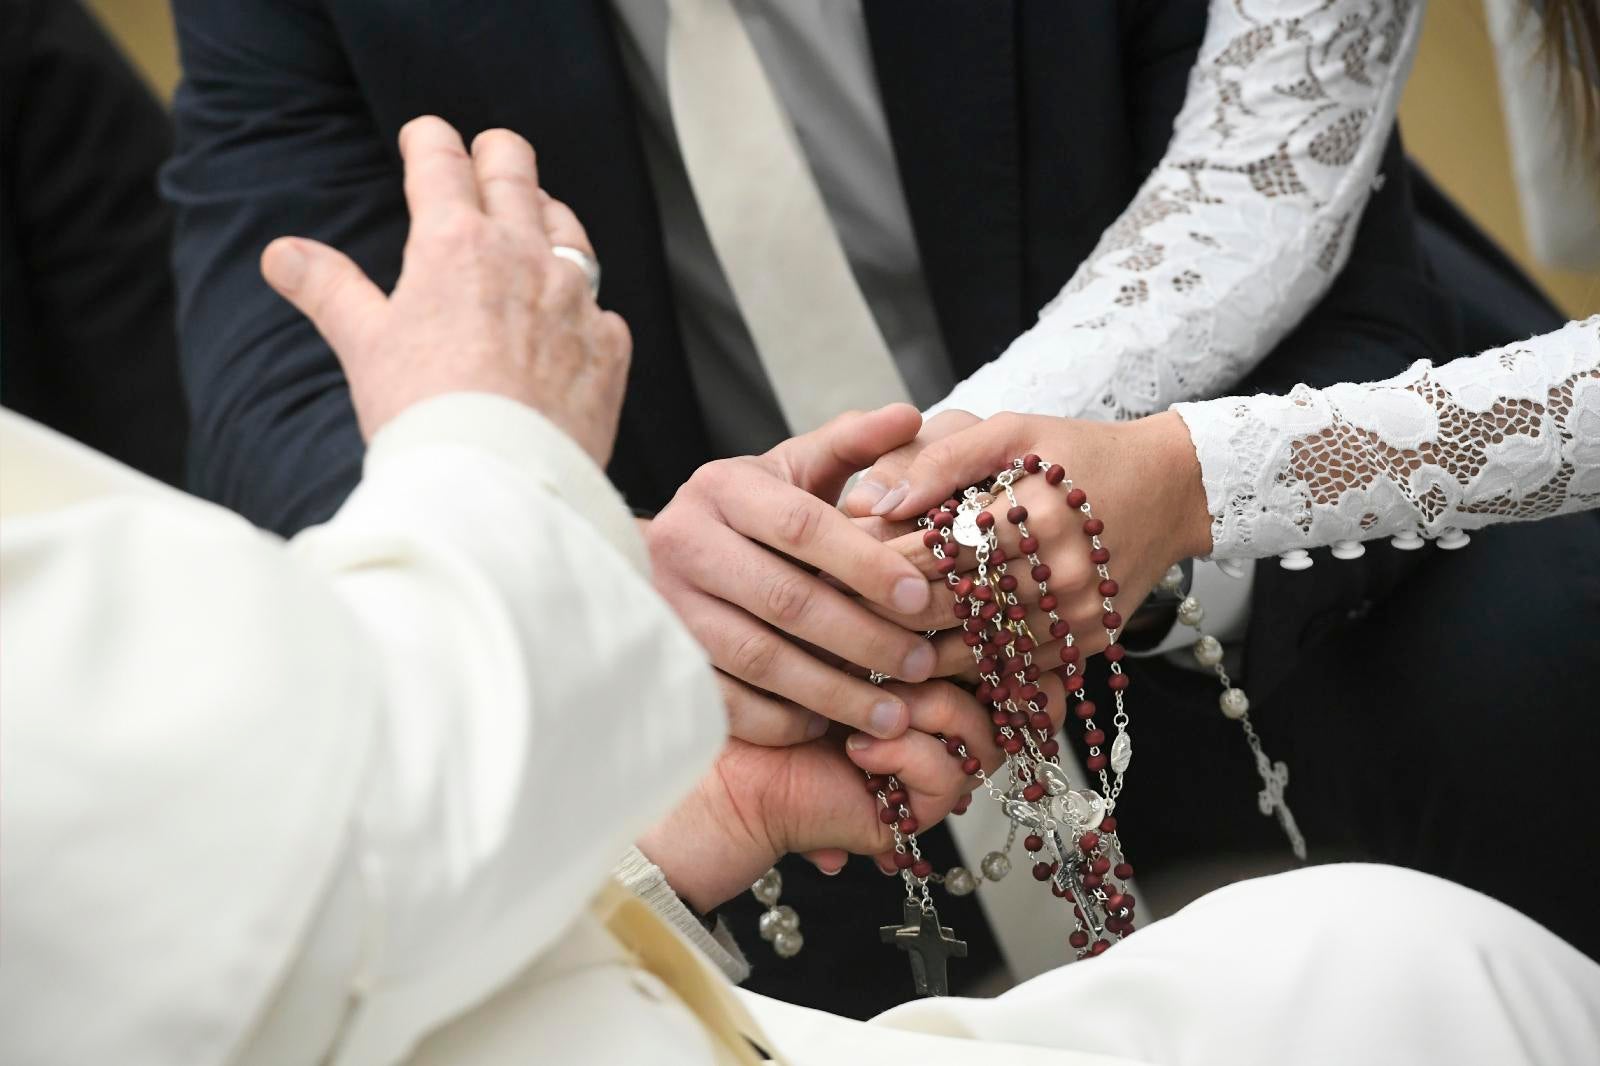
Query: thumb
961, 459
327, 287
823, 460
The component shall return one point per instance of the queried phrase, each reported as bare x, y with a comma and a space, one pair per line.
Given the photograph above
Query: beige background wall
1450, 117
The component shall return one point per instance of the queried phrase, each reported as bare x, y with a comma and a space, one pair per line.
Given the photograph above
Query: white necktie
818, 342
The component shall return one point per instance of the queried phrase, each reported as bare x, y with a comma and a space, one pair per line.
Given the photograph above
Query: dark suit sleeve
85, 291
273, 139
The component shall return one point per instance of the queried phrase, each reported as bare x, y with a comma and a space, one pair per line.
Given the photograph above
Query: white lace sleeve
1508, 435
1240, 228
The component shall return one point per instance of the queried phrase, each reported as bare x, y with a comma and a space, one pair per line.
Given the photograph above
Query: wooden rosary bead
903, 860
888, 815
970, 765
1017, 515
1108, 588
876, 784
1033, 842
908, 825
922, 868
1047, 602
1030, 463
1041, 871
896, 797
1070, 654
1123, 870
1084, 710
1049, 749
1088, 841
1109, 824
1078, 939
1055, 475
1117, 682
1095, 737
1093, 527
984, 520
1029, 544
1100, 556
1111, 620
954, 744
1076, 498
1114, 653
1033, 793
1041, 573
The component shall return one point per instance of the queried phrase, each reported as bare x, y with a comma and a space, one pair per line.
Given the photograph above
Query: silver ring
585, 262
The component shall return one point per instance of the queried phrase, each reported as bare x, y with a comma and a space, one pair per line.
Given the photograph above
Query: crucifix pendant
928, 944
1070, 879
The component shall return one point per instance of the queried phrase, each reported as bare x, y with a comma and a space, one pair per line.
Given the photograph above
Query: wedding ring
584, 261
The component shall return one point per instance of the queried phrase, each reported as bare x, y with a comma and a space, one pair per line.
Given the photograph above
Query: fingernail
909, 595
892, 498
288, 266
858, 742
830, 873
919, 664
865, 496
816, 727
886, 718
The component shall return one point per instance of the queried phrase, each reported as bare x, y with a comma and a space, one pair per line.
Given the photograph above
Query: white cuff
644, 879
527, 440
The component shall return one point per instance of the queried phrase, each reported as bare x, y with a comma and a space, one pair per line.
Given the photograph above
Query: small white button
1348, 549
1298, 559
1406, 542
1451, 539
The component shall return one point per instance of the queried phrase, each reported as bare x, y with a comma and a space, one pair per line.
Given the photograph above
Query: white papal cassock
354, 799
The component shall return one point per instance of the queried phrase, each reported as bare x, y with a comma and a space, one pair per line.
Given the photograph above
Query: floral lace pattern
1511, 434
1240, 228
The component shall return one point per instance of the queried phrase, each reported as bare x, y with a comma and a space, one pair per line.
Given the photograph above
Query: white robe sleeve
1238, 231
1508, 435
393, 760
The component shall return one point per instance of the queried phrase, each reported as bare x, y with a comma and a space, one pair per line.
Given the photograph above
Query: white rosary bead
1234, 703
768, 888
788, 944
1451, 539
1208, 650
1407, 541
1295, 559
1172, 580
1234, 568
1348, 549
996, 865
1190, 613
960, 882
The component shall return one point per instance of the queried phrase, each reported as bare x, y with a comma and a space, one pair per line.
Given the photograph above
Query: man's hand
1142, 480
760, 803
738, 553
481, 305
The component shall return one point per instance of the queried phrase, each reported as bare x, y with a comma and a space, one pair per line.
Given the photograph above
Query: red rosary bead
1017, 515
1070, 654
1076, 498
1047, 602
1123, 870
930, 537
1111, 620
1095, 737
946, 566
1100, 865
963, 587
896, 797
877, 783
1109, 824
1041, 573
1117, 682
953, 744
888, 815
970, 765
922, 868
997, 556
1100, 556
1100, 947
1073, 683
1033, 793
962, 804
1108, 588
1030, 463
1012, 746
983, 593
1084, 710
1078, 939
1059, 628
1028, 545
1114, 653
1095, 762
984, 520
943, 519
1054, 475
1049, 749
1016, 612
1040, 721
903, 860
1092, 880
1041, 871
1032, 672
1033, 842
1008, 583
908, 825
1093, 527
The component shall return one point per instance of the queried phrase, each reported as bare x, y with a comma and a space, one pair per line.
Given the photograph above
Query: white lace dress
1238, 231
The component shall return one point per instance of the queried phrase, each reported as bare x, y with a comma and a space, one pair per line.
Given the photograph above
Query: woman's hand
1142, 480
482, 304
760, 803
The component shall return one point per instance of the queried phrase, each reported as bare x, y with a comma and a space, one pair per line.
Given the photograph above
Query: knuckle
789, 598
800, 522
459, 227
753, 656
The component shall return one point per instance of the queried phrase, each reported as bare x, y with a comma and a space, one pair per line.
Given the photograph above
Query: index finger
439, 173
800, 525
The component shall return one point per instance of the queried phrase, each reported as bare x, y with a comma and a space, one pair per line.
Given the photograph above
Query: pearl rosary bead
960, 882
1208, 650
768, 888
1235, 704
1190, 612
996, 865
1172, 580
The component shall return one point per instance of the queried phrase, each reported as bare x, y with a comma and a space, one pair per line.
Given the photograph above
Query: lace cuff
1508, 435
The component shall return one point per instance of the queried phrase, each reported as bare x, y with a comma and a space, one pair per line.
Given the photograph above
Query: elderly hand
482, 304
760, 803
